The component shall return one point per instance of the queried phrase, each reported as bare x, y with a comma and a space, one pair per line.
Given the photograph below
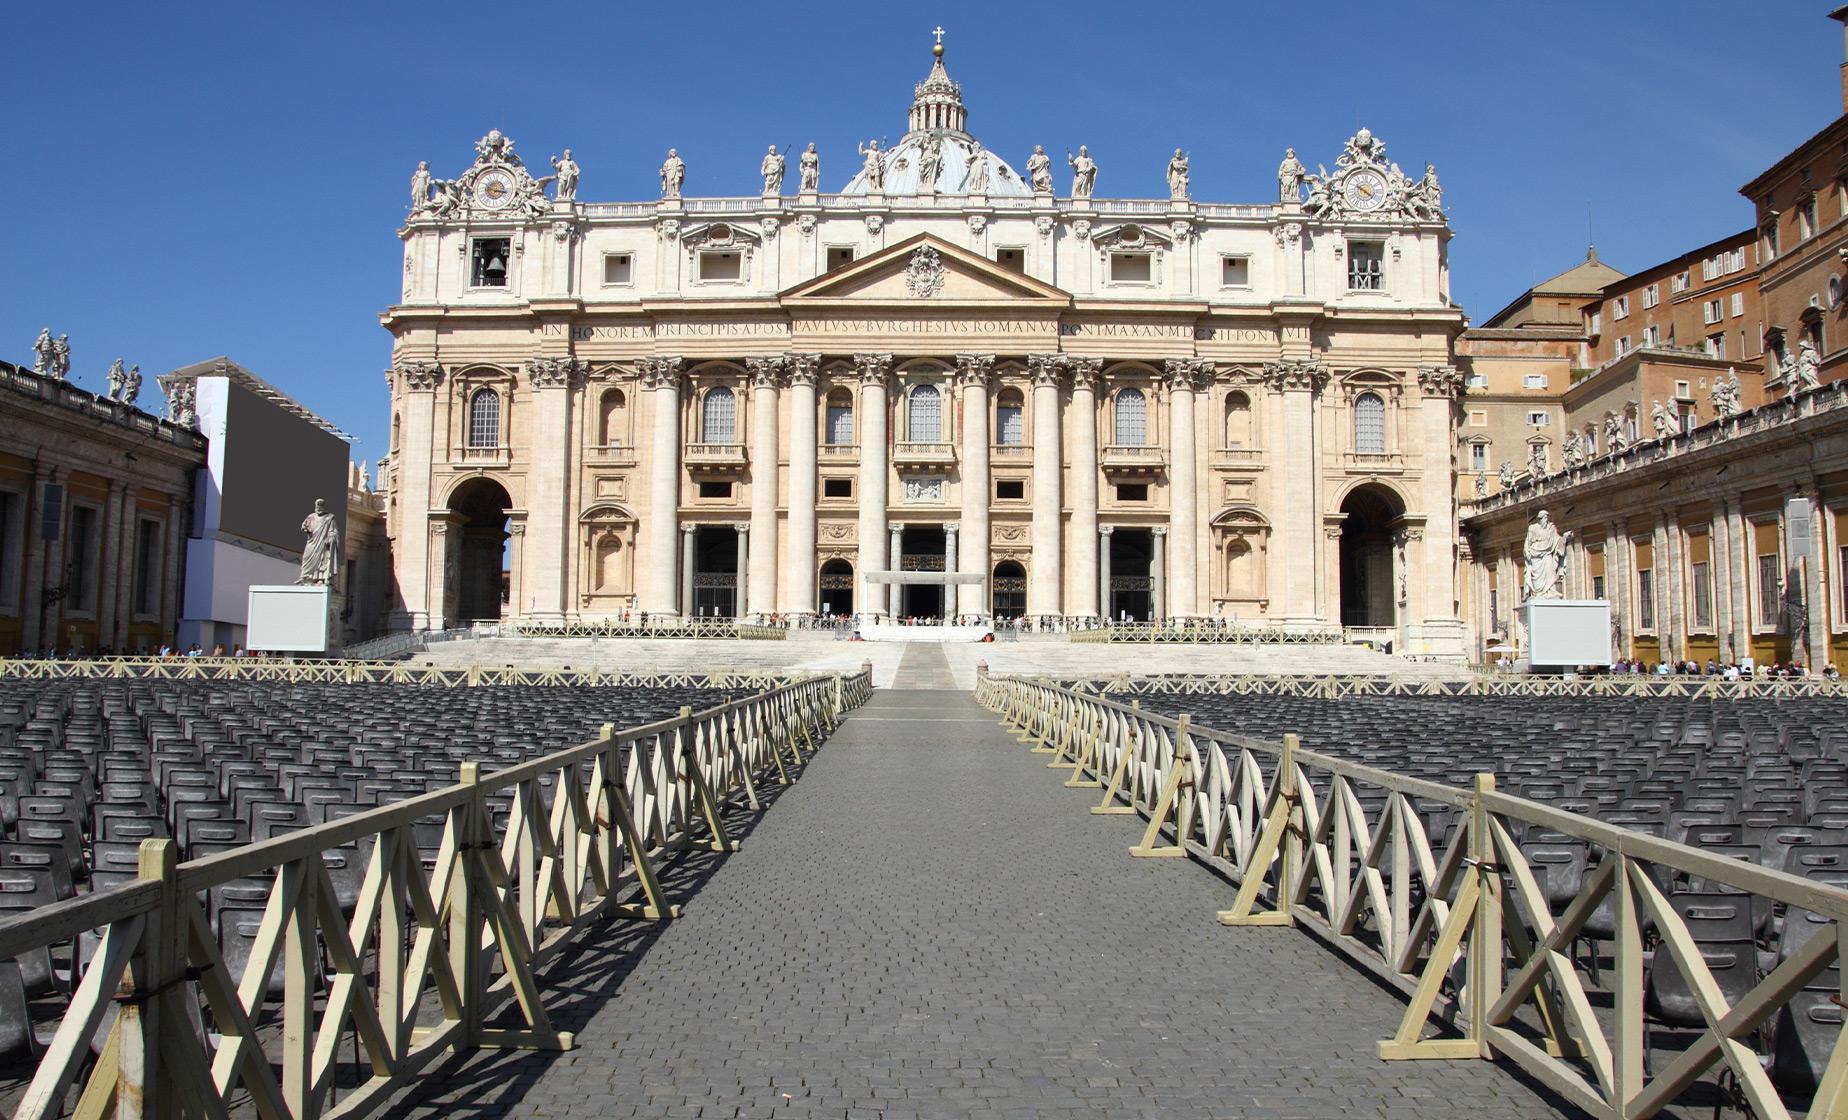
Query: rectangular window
1769, 239
840, 424
1478, 418
1131, 268
1621, 308
1716, 345
715, 489
1010, 489
1597, 586
1738, 304
1366, 266
1645, 599
1806, 220
1768, 588
1680, 283
723, 266
1539, 418
1478, 456
1652, 295
80, 559
1623, 345
147, 561
1596, 325
618, 268
1533, 381
1652, 335
1010, 425
488, 259
1133, 492
837, 487
1014, 260
12, 520
839, 256
1700, 592
1494, 608
1709, 268
1712, 311
1235, 272
1681, 391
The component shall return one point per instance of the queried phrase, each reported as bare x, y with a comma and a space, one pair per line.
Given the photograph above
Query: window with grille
718, 419
1768, 590
1478, 456
840, 418
1132, 418
1370, 424
488, 262
926, 415
1010, 424
1702, 594
1366, 267
484, 418
1645, 599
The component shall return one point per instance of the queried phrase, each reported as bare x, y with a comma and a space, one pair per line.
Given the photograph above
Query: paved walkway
929, 925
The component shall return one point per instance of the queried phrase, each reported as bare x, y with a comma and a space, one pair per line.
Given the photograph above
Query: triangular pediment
922, 271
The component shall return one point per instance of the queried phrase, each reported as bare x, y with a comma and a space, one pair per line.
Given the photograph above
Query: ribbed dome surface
937, 155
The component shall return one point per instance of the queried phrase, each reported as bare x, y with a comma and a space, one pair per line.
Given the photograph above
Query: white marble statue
1426, 198
976, 181
1505, 475
772, 169
673, 174
44, 352
1662, 419
1319, 200
930, 163
567, 176
1039, 170
1290, 177
116, 378
1482, 483
1574, 450
1616, 433
1727, 394
131, 385
809, 167
873, 164
1536, 460
321, 555
1545, 553
420, 187
1177, 176
181, 405
1084, 172
61, 357
1804, 371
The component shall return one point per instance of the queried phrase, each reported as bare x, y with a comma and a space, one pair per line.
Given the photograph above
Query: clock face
1365, 190
494, 190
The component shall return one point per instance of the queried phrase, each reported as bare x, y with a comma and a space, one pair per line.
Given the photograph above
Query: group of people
1744, 670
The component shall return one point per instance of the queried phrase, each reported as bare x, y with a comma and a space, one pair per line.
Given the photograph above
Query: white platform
1564, 633
883, 633
289, 618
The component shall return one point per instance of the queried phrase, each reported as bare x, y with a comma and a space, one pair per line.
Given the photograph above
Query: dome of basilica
937, 155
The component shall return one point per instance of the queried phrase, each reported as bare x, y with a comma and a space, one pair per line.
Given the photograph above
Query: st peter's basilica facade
951, 388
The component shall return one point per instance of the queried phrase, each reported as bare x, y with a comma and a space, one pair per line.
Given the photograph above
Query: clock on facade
494, 189
1365, 190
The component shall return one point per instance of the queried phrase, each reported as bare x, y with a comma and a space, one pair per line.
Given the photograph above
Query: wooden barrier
375, 672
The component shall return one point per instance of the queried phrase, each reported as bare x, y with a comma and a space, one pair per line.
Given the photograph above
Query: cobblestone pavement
929, 925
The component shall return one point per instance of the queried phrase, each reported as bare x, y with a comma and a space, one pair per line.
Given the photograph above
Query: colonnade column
1043, 586
548, 515
1439, 596
661, 379
687, 560
1816, 596
874, 370
109, 571
1740, 531
799, 563
952, 552
128, 543
1617, 583
1184, 374
1674, 623
1158, 609
759, 594
1101, 543
414, 395
894, 591
749, 589
972, 375
1085, 582
1298, 382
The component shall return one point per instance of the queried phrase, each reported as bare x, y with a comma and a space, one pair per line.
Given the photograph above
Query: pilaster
554, 381
766, 381
1085, 585
414, 386
1297, 384
874, 371
972, 372
661, 378
799, 561
1043, 586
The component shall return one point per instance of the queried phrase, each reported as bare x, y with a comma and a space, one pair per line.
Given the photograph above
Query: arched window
1238, 421
615, 419
1010, 423
1132, 418
484, 414
840, 417
394, 431
926, 415
1370, 424
718, 422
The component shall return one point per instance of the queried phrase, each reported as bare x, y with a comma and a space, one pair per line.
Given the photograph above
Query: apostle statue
321, 555
1039, 170
874, 166
1482, 483
567, 170
44, 352
1177, 176
1574, 450
810, 168
1536, 460
131, 385
976, 181
772, 170
61, 357
1427, 197
1084, 172
1616, 435
1804, 371
930, 163
1545, 553
1290, 177
673, 173
1505, 475
420, 187
1726, 395
116, 378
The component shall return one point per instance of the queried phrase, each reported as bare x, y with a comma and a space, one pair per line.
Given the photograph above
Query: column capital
952, 526
1296, 374
1084, 372
1444, 382
765, 372
1160, 530
662, 372
1106, 530
972, 370
896, 526
1045, 369
417, 377
741, 527
1187, 374
873, 368
687, 530
802, 369
544, 372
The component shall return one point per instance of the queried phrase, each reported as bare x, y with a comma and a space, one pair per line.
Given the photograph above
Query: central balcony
1122, 460
1238, 459
909, 455
711, 459
1368, 462
844, 454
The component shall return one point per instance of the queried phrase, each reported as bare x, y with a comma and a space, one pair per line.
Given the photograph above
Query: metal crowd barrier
1462, 925
1481, 684
1206, 635
376, 672
428, 955
637, 628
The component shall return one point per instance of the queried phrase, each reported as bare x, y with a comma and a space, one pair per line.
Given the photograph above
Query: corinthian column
972, 375
548, 519
799, 562
1043, 596
1183, 487
1298, 382
661, 380
874, 369
1444, 632
1083, 536
414, 387
766, 376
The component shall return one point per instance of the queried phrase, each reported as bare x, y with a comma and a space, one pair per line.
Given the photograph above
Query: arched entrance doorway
1132, 583
922, 549
1009, 594
715, 571
836, 589
475, 571
1368, 587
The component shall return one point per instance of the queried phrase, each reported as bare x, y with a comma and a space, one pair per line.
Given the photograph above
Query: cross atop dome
937, 101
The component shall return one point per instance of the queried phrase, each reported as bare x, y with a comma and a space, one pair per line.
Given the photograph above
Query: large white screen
1568, 632
288, 619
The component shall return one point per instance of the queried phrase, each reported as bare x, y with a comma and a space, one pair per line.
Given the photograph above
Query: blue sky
197, 179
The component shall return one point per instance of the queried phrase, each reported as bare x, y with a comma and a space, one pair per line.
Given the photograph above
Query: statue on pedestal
131, 385
43, 348
873, 166
1505, 475
1803, 371
1545, 553
772, 169
1727, 394
113, 382
1574, 450
673, 173
1084, 172
568, 171
1290, 177
1039, 170
1662, 419
1177, 176
810, 168
420, 187
61, 357
976, 181
321, 555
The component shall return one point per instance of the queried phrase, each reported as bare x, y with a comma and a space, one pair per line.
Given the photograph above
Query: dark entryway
1367, 585
715, 571
1132, 562
922, 548
836, 588
476, 581
1009, 594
